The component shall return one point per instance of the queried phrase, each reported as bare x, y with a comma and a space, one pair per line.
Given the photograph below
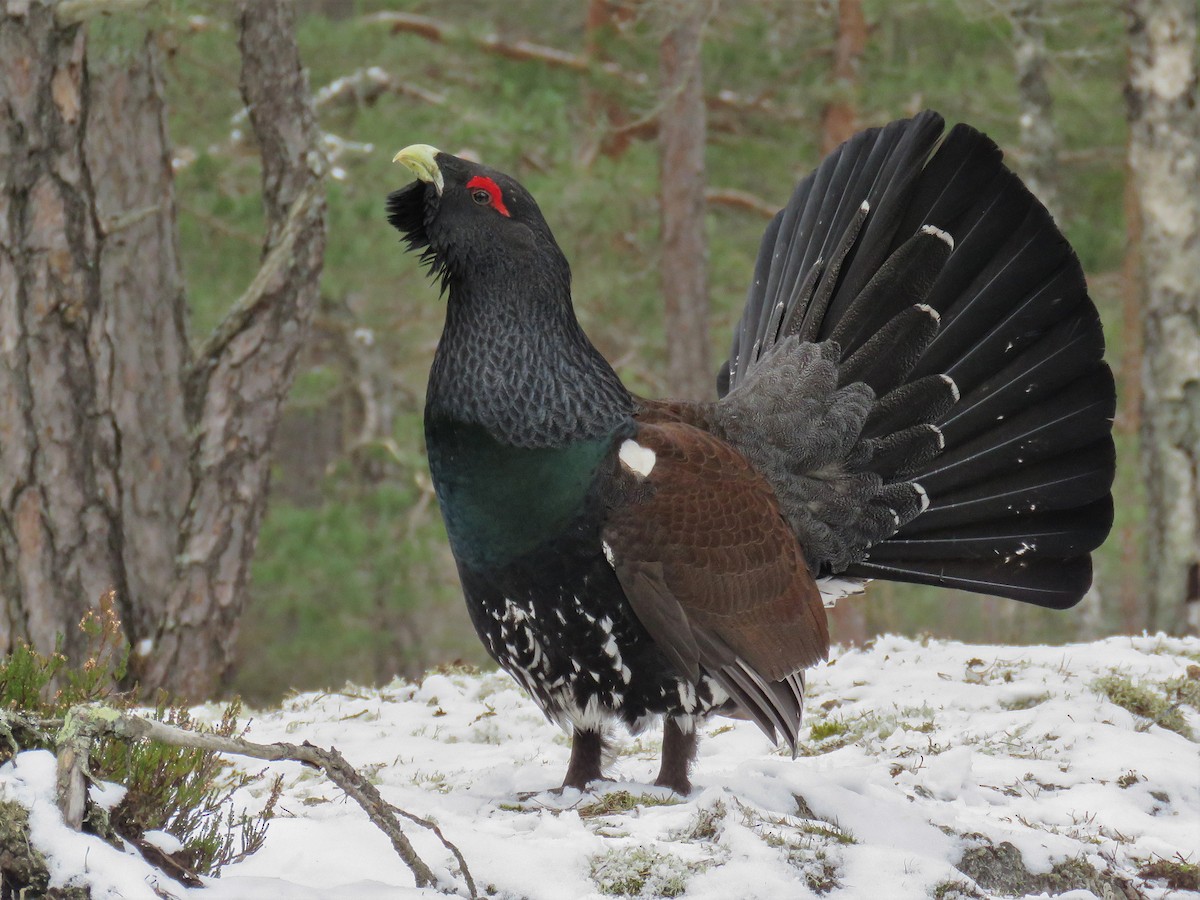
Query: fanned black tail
952, 294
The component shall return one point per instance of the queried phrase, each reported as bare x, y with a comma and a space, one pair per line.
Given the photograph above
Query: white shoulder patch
608, 554
636, 458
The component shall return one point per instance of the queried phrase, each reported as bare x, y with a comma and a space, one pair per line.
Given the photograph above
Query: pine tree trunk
60, 519
684, 265
839, 118
125, 464
140, 337
1165, 162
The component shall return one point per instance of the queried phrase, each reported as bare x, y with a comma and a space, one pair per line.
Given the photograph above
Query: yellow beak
420, 158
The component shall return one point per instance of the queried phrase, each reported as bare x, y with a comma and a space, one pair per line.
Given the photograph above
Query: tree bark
239, 382
139, 341
1165, 161
1039, 138
124, 465
683, 268
839, 118
60, 496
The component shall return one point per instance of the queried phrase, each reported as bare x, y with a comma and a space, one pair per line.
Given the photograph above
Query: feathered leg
678, 753
587, 750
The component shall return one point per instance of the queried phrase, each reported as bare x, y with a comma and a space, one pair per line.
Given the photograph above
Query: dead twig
83, 724
742, 200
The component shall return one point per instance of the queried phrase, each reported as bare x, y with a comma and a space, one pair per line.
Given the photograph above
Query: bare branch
367, 86
526, 51
83, 724
742, 200
241, 313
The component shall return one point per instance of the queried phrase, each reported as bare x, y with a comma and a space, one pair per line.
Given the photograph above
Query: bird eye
486, 192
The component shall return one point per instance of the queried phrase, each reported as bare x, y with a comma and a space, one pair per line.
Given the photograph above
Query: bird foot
682, 788
587, 788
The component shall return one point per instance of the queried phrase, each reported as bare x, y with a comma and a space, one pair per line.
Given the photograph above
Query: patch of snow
106, 794
163, 840
921, 747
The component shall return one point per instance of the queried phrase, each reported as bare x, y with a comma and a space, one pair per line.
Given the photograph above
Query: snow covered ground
929, 769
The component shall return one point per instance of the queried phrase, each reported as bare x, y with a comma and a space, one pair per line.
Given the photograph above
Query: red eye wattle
481, 183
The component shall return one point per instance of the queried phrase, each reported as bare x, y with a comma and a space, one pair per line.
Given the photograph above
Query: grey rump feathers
806, 435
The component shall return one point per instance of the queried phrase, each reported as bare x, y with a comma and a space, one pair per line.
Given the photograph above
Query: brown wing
700, 413
713, 572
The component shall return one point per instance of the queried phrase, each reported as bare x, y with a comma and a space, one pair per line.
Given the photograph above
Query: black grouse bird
916, 392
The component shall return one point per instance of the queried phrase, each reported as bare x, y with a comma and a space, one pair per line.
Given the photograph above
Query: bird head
465, 217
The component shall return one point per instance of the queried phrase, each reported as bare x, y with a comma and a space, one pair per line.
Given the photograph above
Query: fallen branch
84, 724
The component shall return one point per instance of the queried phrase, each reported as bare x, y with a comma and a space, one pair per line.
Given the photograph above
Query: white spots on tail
943, 236
930, 311
636, 458
953, 387
921, 492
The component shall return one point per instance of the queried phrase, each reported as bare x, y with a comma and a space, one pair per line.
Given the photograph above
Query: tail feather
907, 450
953, 180
813, 313
898, 176
877, 166
1064, 482
1068, 351
943, 286
1034, 252
1054, 300
923, 401
885, 360
1070, 420
1058, 534
1052, 583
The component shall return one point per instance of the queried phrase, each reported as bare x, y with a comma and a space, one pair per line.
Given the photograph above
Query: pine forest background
352, 579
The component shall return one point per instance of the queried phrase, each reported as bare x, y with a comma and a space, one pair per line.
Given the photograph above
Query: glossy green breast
499, 501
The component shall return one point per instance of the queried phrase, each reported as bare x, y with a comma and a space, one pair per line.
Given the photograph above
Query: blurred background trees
639, 125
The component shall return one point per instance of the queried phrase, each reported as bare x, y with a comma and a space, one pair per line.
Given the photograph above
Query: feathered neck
513, 358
